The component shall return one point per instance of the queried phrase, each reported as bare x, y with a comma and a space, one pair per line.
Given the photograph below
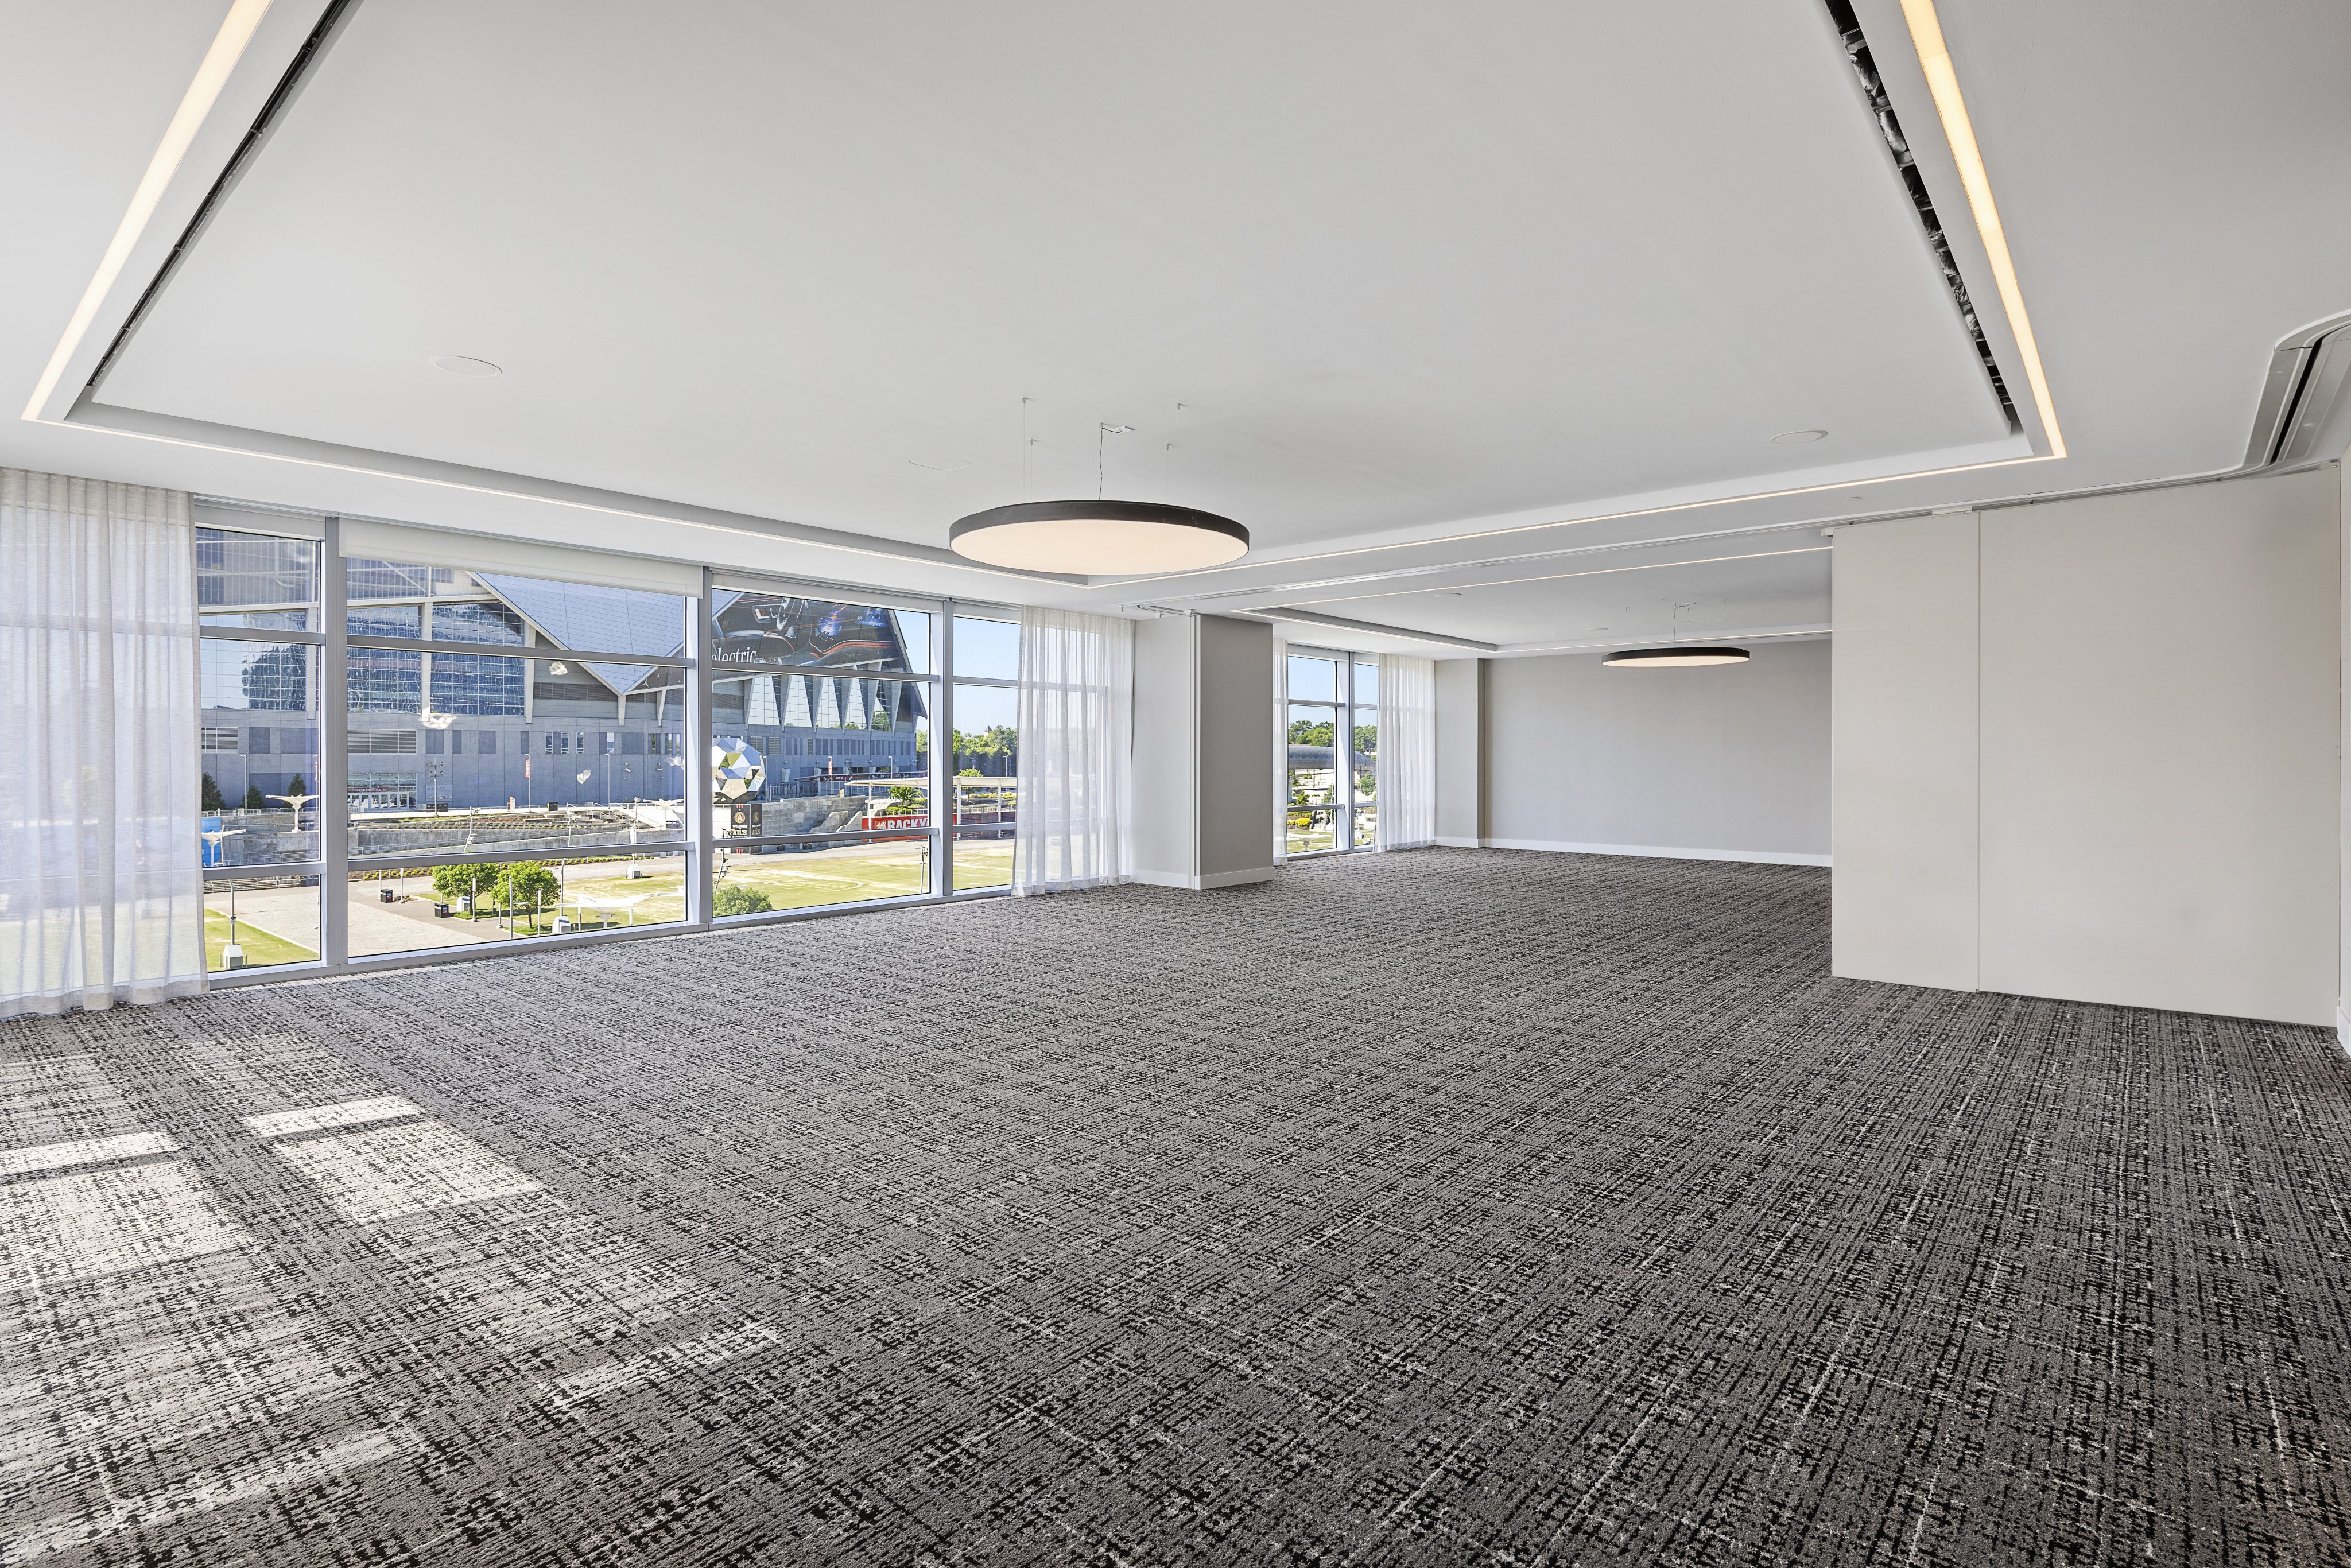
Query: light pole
232, 955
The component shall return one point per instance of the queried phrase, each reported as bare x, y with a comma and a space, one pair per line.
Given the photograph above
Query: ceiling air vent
2305, 415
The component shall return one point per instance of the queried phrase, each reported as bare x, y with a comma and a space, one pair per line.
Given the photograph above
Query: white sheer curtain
101, 890
1281, 750
1075, 826
1404, 773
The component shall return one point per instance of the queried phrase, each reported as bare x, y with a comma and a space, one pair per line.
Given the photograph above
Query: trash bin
441, 912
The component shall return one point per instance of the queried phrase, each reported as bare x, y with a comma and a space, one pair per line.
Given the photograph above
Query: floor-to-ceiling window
460, 756
1334, 739
821, 712
984, 767
261, 682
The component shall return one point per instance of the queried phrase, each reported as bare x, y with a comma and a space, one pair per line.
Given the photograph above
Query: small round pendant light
1106, 539
1677, 654
1681, 655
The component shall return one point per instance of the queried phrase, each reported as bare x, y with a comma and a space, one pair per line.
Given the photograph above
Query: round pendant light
1099, 538
1680, 656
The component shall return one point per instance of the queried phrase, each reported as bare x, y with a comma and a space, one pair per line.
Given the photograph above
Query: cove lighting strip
1560, 576
229, 46
1943, 82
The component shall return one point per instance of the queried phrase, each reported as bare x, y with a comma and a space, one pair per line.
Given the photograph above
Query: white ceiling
1457, 299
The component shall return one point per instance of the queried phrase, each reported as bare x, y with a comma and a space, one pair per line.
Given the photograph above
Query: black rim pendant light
1681, 655
1099, 538
1677, 654
1106, 538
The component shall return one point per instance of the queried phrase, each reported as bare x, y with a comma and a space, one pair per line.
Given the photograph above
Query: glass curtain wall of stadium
405, 760
1333, 746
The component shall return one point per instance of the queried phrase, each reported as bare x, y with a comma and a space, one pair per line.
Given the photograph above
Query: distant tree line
1304, 732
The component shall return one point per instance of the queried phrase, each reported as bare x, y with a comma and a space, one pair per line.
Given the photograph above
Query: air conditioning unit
2303, 416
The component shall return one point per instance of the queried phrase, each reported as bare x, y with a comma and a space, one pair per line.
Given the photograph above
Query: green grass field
851, 874
261, 947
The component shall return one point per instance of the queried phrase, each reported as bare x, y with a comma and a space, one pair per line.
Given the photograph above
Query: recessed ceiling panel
1633, 596
1344, 267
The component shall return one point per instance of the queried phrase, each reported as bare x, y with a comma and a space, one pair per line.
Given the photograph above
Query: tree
736, 899
456, 883
1303, 732
211, 803
255, 801
527, 884
906, 798
296, 786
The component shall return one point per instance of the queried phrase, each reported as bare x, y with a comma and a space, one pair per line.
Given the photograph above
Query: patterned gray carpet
1451, 1207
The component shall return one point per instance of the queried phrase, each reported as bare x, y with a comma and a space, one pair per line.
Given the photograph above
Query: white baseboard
1205, 883
1445, 843
2343, 1029
1656, 852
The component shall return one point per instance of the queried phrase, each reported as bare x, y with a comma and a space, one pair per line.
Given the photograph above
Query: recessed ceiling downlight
1798, 438
1107, 539
1680, 656
460, 365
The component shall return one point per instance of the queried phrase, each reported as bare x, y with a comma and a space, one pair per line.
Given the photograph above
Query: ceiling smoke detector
463, 365
1798, 438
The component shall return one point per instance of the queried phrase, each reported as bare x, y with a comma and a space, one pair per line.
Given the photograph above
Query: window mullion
334, 761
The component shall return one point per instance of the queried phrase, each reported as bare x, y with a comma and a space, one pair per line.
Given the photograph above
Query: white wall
1726, 762
1237, 759
1902, 769
1461, 767
1204, 754
2158, 789
1166, 759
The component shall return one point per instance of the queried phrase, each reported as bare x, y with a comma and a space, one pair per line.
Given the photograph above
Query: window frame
1343, 705
698, 843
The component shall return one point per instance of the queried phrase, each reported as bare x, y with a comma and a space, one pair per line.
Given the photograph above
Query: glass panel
987, 650
525, 753
1310, 828
1363, 762
259, 573
817, 634
1313, 775
260, 620
468, 904
392, 599
484, 620
257, 923
987, 738
758, 881
390, 580
1314, 680
384, 680
1367, 686
259, 771
806, 753
475, 685
985, 862
384, 620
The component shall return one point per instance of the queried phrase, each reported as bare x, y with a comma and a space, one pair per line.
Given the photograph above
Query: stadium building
434, 729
